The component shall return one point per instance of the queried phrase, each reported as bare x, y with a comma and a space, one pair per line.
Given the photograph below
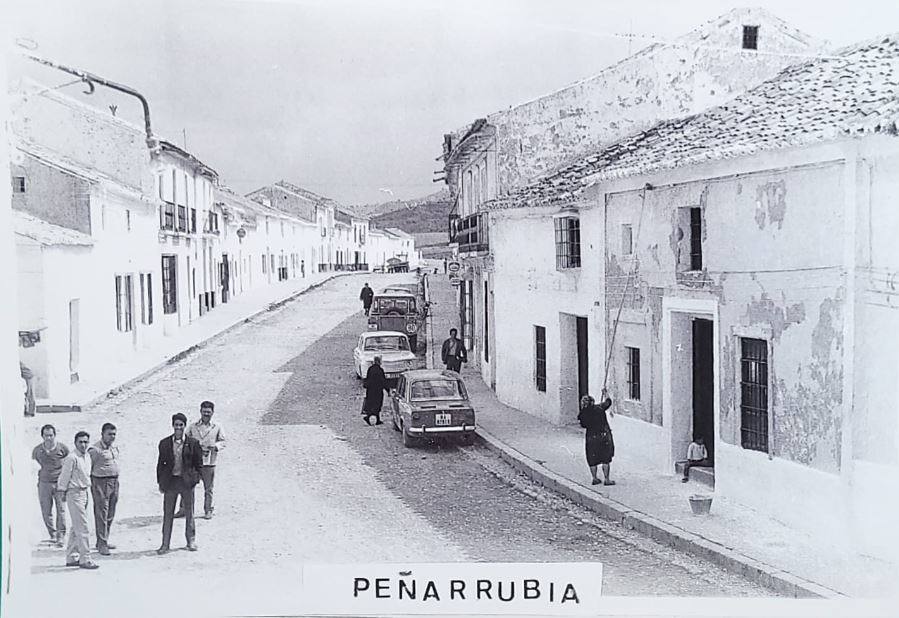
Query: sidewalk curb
666, 534
193, 348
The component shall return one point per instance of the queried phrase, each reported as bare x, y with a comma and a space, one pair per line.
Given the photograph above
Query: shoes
367, 420
163, 550
595, 482
179, 514
89, 565
608, 482
59, 543
207, 515
108, 546
103, 551
684, 480
192, 546
72, 563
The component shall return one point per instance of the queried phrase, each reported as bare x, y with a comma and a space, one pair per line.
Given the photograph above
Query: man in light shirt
75, 481
212, 440
696, 456
104, 484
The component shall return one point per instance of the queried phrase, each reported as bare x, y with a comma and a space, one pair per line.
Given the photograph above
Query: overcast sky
351, 99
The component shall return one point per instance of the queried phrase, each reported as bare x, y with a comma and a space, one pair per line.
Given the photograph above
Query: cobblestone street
303, 479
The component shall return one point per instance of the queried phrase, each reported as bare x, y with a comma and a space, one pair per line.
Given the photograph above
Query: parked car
431, 403
396, 311
393, 348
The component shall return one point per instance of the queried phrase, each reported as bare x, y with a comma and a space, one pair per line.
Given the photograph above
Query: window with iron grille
540, 358
193, 220
167, 216
182, 219
568, 242
754, 394
696, 239
146, 298
18, 184
486, 323
467, 314
633, 373
750, 37
169, 291
123, 303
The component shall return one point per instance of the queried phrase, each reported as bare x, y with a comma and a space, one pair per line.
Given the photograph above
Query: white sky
346, 97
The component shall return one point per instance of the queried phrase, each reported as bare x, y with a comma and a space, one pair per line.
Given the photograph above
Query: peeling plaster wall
53, 195
768, 240
529, 291
658, 83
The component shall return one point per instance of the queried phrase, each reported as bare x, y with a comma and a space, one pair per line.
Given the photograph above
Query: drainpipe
90, 79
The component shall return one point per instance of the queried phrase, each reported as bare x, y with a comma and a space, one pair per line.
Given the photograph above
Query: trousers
454, 364
105, 492
48, 497
78, 548
207, 475
178, 488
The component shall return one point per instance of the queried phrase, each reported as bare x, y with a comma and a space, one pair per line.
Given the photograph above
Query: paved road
304, 479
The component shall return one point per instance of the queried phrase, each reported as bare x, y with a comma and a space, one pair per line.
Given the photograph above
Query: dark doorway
583, 387
226, 278
704, 384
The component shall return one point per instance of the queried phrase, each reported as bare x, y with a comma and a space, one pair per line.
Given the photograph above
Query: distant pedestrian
212, 440
75, 482
303, 268
50, 455
177, 473
600, 446
375, 384
697, 456
444, 266
453, 352
104, 485
366, 296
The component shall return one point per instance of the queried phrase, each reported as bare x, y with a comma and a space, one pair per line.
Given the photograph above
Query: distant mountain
424, 214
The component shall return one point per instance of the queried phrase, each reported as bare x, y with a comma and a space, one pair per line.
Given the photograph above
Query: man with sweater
212, 440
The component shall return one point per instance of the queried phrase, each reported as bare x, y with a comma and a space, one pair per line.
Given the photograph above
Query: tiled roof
47, 233
856, 93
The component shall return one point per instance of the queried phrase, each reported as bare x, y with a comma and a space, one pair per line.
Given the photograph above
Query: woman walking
600, 446
375, 384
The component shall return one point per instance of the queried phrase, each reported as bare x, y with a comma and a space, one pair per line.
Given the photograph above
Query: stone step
704, 475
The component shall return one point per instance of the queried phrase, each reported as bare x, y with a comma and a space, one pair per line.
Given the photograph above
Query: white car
393, 348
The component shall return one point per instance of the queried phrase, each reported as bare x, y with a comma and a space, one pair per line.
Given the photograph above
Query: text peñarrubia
461, 589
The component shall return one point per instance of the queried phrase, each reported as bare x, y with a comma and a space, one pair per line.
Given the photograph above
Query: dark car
432, 403
396, 311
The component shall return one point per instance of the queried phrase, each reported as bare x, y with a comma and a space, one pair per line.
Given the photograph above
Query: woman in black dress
599, 444
375, 384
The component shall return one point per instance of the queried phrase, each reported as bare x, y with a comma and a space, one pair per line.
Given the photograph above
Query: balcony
470, 233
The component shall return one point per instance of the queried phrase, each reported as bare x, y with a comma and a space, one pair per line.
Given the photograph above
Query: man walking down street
453, 353
366, 296
212, 440
75, 482
104, 485
177, 473
51, 454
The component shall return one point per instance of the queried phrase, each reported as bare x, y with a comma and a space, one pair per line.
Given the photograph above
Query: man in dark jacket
177, 473
453, 353
365, 296
375, 384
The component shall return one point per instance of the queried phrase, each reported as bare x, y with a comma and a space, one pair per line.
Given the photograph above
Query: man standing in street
51, 454
75, 482
453, 353
104, 484
211, 440
444, 266
177, 473
366, 296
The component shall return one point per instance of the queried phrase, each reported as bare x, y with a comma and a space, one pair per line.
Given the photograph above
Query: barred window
754, 394
568, 242
169, 292
167, 216
182, 219
123, 303
540, 358
633, 373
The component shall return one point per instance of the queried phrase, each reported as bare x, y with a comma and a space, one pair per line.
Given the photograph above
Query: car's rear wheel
408, 441
467, 438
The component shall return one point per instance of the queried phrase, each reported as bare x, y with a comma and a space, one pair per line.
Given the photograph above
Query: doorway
703, 384
226, 277
583, 362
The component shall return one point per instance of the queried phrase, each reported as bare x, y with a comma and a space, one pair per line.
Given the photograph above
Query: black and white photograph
395, 307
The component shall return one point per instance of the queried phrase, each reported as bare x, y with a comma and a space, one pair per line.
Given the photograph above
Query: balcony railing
471, 233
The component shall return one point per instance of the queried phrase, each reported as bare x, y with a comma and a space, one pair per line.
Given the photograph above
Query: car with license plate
396, 312
393, 348
432, 403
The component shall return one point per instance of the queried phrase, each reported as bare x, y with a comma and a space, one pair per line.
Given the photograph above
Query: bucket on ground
700, 504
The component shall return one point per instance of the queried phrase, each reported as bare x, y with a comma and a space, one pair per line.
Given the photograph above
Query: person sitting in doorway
697, 455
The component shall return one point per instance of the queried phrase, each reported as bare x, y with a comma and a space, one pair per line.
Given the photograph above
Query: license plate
443, 420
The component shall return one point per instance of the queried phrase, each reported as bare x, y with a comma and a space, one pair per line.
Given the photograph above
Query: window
146, 298
167, 216
750, 37
696, 239
754, 394
388, 343
438, 388
633, 373
123, 303
193, 220
568, 242
18, 184
540, 358
467, 313
486, 324
182, 219
128, 220
169, 291
627, 239
264, 270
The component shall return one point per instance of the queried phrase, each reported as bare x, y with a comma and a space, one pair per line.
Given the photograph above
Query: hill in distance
427, 214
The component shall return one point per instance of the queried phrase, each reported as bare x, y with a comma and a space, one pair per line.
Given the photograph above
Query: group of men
69, 479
